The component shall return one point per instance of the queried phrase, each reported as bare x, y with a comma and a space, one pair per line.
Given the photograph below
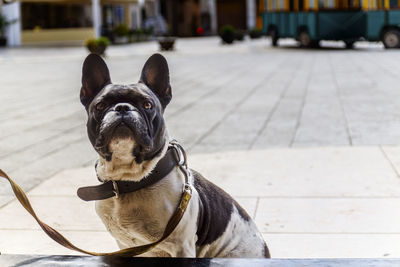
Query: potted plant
97, 45
239, 35
121, 33
227, 34
166, 42
255, 33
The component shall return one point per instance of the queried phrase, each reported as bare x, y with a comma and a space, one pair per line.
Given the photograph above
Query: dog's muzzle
124, 121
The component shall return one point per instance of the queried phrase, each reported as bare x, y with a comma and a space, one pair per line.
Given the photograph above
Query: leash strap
128, 252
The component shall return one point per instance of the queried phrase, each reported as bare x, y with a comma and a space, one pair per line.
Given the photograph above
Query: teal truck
309, 21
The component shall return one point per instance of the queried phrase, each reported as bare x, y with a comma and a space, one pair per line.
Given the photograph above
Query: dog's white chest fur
123, 165
122, 151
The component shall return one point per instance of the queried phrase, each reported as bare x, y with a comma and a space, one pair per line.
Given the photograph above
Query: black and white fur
127, 129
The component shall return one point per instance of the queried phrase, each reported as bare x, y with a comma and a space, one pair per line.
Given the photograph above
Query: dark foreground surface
37, 260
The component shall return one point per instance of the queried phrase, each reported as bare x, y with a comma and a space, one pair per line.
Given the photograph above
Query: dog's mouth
130, 127
122, 131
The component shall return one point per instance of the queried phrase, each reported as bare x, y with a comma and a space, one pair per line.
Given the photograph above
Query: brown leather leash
128, 252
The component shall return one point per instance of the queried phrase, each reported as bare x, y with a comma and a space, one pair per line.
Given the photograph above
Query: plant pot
97, 49
228, 38
239, 36
255, 34
166, 43
121, 39
3, 41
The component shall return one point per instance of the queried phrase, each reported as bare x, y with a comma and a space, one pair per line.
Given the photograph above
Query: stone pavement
306, 140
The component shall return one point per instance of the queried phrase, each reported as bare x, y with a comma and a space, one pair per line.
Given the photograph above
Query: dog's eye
100, 106
147, 105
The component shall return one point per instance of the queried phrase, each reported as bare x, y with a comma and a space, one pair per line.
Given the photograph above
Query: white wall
210, 7
251, 13
13, 32
96, 16
213, 15
136, 16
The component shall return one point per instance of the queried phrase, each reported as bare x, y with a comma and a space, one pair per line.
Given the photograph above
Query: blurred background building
73, 21
185, 16
69, 21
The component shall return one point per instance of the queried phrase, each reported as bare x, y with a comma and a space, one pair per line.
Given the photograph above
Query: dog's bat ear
95, 76
155, 75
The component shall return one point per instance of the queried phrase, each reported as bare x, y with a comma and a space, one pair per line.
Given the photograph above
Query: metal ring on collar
179, 152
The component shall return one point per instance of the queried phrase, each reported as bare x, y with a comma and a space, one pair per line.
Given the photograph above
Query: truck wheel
304, 39
273, 33
391, 38
349, 44
315, 44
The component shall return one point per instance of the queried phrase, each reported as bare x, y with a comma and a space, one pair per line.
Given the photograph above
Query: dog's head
125, 122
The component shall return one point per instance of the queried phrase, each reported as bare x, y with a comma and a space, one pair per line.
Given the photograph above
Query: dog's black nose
123, 108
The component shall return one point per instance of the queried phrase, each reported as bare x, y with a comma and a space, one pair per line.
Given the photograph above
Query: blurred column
207, 16
251, 13
213, 15
12, 12
209, 7
157, 7
128, 15
96, 15
135, 16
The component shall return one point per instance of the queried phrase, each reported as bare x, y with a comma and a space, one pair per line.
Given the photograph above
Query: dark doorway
291, 5
182, 16
232, 12
301, 5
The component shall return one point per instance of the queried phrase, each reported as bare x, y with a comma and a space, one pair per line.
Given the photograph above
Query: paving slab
333, 245
243, 121
250, 204
68, 213
329, 215
63, 213
36, 152
66, 183
393, 155
78, 153
5, 198
324, 172
279, 128
37, 242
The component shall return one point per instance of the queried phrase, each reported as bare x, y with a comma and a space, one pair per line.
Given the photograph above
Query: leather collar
116, 188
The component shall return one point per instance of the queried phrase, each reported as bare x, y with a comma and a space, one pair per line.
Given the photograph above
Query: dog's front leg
186, 250
173, 248
185, 235
181, 244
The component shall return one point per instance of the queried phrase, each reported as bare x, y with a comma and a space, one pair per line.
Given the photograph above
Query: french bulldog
126, 127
